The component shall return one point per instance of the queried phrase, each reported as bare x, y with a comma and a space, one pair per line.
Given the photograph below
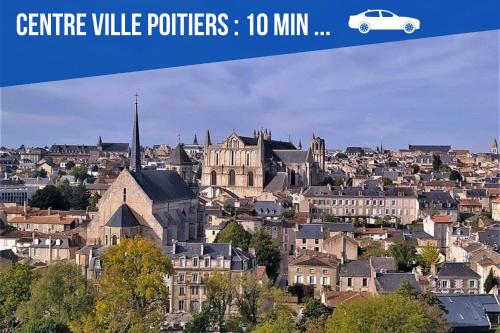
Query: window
114, 240
316, 248
180, 279
232, 178
182, 262
325, 271
304, 240
195, 262
250, 179
312, 279
472, 283
213, 178
312, 271
207, 262
372, 14
444, 284
219, 262
248, 161
316, 241
194, 306
349, 282
181, 305
124, 195
194, 278
182, 291
292, 178
106, 240
298, 278
232, 157
195, 290
386, 14
365, 282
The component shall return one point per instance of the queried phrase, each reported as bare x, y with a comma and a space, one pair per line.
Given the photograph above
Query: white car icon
381, 19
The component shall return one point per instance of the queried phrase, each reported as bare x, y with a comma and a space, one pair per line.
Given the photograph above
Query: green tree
249, 300
436, 162
267, 252
405, 255
381, 314
49, 196
341, 156
490, 281
44, 325
373, 249
221, 290
386, 181
80, 172
416, 168
314, 314
79, 197
39, 173
15, 289
60, 293
455, 175
332, 181
235, 234
279, 321
429, 255
69, 165
330, 218
94, 200
132, 292
200, 322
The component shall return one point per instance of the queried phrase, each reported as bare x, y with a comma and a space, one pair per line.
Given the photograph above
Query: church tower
318, 151
494, 147
135, 151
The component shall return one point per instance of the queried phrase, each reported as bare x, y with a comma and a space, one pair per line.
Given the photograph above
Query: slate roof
178, 156
379, 264
469, 311
430, 148
291, 156
360, 191
212, 250
71, 149
456, 270
357, 268
354, 150
313, 258
115, 147
390, 282
123, 218
309, 231
278, 184
163, 185
490, 237
267, 208
438, 198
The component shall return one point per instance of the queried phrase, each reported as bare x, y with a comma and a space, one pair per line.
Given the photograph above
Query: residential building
194, 263
455, 278
439, 227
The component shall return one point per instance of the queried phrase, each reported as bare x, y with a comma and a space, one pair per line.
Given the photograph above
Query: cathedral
157, 204
248, 166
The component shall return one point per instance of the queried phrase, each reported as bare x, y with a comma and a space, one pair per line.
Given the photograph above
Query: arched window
213, 178
250, 178
124, 195
232, 157
232, 178
114, 240
292, 178
106, 240
248, 159
216, 158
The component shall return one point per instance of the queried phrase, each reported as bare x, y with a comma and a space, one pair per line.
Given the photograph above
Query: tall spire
208, 141
195, 141
135, 152
300, 144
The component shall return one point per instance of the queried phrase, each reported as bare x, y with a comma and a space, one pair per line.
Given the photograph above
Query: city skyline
439, 88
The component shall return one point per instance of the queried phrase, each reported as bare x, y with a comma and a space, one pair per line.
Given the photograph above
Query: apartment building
363, 202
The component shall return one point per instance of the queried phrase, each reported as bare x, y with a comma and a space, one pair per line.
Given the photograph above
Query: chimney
49, 211
25, 206
174, 243
91, 254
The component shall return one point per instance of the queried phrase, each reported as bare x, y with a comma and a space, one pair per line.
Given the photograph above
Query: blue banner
46, 40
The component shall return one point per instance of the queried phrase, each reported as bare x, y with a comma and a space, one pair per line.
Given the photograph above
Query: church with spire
249, 166
157, 204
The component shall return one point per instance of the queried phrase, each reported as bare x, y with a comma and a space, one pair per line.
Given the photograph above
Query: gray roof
467, 311
179, 156
309, 231
490, 237
123, 218
163, 185
360, 191
430, 148
338, 227
291, 156
390, 282
212, 250
357, 268
438, 198
278, 184
267, 208
115, 147
456, 270
354, 150
386, 264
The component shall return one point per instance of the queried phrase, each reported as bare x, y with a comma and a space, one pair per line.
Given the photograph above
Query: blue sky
442, 90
